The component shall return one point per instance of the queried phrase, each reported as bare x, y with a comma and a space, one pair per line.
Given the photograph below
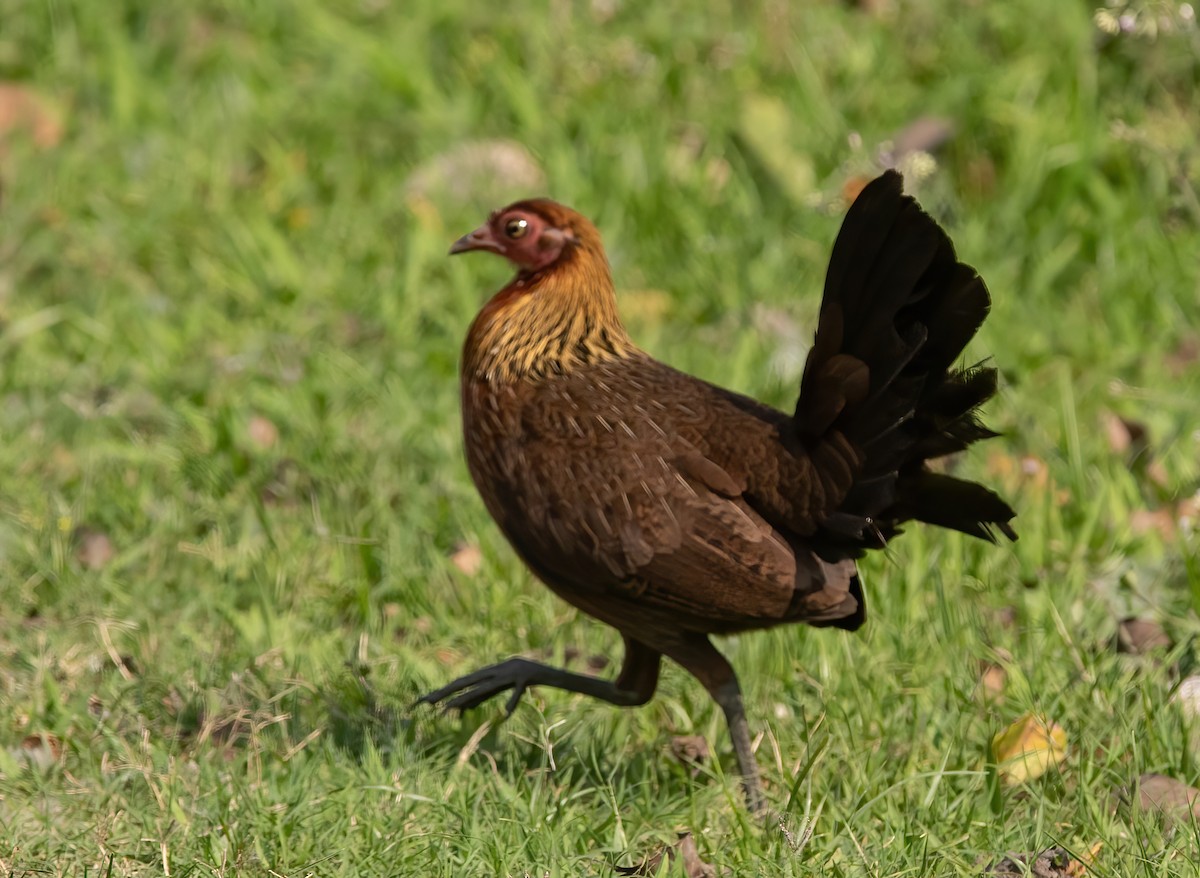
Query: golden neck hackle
548, 324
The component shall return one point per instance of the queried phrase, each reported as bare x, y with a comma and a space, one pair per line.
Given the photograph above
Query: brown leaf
684, 849
93, 548
263, 433
23, 110
1055, 862
468, 558
1140, 636
1171, 798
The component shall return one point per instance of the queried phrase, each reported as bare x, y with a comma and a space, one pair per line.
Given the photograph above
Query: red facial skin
522, 235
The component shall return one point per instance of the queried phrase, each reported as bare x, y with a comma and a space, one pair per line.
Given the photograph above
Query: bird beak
480, 239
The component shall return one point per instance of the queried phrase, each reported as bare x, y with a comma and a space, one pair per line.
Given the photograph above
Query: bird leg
698, 656
634, 685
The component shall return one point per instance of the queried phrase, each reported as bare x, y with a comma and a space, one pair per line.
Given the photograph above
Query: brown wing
627, 495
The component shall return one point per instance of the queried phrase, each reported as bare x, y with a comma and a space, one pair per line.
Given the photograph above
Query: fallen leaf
684, 850
1079, 868
263, 432
1140, 636
1171, 798
468, 558
24, 110
1028, 748
1056, 862
93, 548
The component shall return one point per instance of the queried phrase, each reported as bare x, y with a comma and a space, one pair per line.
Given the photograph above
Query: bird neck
547, 323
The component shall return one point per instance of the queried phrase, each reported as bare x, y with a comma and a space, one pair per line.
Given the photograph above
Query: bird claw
477, 687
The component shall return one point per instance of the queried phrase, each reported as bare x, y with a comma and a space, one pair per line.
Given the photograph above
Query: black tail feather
898, 310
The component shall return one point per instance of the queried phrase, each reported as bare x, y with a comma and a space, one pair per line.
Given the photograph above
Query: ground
237, 536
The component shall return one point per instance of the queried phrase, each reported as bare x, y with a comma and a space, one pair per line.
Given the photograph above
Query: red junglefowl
673, 509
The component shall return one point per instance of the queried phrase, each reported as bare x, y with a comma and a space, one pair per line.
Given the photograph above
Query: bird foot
474, 689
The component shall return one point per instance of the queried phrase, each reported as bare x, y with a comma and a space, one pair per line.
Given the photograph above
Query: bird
673, 509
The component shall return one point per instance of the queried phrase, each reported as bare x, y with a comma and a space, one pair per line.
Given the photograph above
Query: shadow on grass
358, 717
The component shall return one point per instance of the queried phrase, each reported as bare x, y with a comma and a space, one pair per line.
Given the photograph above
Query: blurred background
236, 533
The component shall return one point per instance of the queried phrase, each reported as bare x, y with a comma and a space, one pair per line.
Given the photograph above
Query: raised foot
472, 690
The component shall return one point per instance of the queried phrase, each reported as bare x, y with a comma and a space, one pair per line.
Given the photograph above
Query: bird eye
516, 228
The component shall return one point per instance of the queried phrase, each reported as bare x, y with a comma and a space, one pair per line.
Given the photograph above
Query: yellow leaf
1028, 748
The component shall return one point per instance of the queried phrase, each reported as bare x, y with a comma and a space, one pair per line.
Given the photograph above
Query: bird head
534, 235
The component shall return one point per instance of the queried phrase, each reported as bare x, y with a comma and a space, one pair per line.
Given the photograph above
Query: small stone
1140, 636
263, 433
1187, 696
690, 749
468, 558
93, 548
1171, 798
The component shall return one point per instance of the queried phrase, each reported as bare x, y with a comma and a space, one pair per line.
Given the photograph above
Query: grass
228, 350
